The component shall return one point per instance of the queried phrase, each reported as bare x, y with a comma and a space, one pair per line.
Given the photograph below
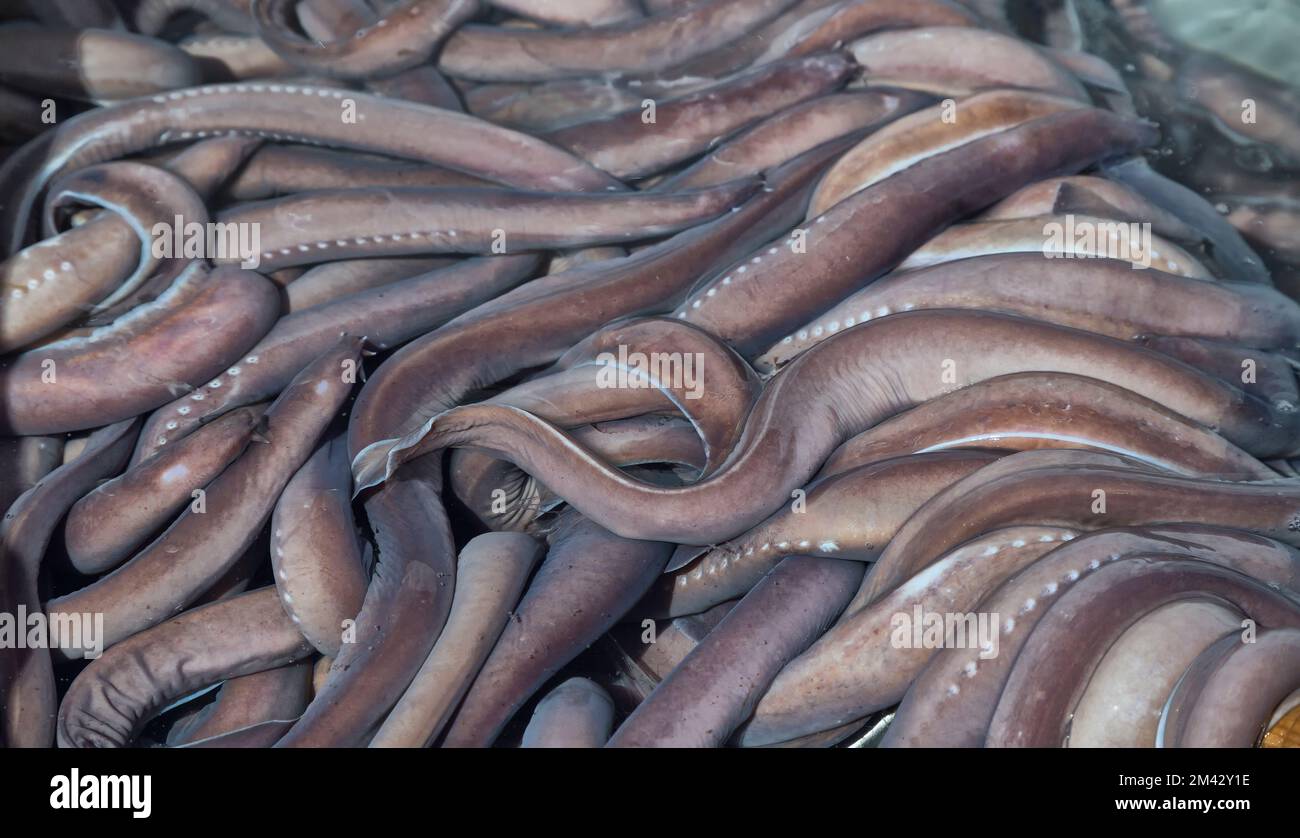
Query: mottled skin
1106, 296
198, 549
922, 134
387, 316
835, 390
248, 700
1055, 663
576, 714
1064, 496
589, 580
315, 551
110, 523
300, 113
276, 170
27, 688
1051, 410
857, 667
1229, 695
862, 237
355, 223
1092, 238
791, 132
714, 689
491, 574
161, 349
956, 61
627, 147
91, 65
933, 715
647, 45
112, 698
1121, 706
405, 37
852, 515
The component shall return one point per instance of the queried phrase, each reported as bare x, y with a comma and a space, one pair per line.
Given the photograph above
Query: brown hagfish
631, 373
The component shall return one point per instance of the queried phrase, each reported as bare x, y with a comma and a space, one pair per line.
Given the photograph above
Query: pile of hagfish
644, 373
